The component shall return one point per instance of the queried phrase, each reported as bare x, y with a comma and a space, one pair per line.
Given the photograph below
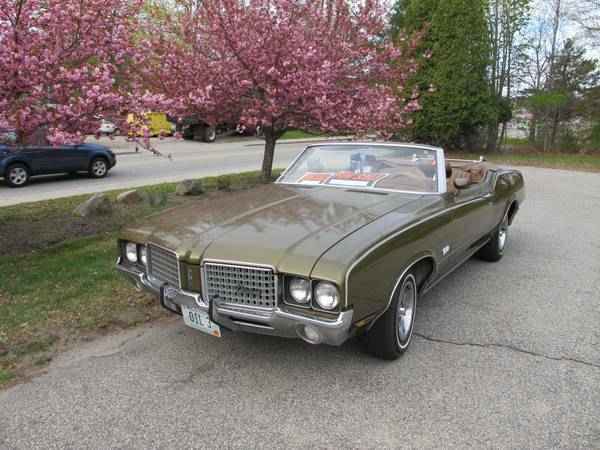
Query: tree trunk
554, 132
267, 165
502, 138
533, 130
492, 137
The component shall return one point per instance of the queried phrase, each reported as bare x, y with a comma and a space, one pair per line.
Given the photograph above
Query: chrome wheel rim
99, 168
407, 305
212, 134
18, 176
502, 236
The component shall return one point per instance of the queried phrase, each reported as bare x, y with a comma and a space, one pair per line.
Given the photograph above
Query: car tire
493, 251
98, 168
17, 175
210, 134
391, 334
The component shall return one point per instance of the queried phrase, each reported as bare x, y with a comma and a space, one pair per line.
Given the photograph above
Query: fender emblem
445, 250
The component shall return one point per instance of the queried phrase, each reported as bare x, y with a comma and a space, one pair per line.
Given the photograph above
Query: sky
570, 22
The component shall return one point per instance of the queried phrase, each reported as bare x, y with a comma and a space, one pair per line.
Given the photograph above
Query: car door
76, 157
470, 212
40, 158
65, 158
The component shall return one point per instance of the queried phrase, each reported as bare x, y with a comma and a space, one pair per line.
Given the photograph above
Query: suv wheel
17, 175
98, 168
210, 134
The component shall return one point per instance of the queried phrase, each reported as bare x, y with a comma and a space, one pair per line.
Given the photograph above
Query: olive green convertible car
343, 244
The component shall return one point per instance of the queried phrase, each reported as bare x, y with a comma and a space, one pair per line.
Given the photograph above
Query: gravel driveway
506, 355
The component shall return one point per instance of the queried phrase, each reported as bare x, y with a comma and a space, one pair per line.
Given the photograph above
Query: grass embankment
58, 284
299, 134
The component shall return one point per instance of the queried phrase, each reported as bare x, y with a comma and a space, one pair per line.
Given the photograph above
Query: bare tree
586, 14
507, 19
532, 72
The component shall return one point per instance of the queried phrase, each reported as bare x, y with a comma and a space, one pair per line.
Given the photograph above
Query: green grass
516, 141
567, 161
5, 376
60, 293
299, 134
57, 280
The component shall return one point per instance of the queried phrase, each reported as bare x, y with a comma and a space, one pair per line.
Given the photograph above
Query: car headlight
327, 295
299, 290
131, 252
144, 255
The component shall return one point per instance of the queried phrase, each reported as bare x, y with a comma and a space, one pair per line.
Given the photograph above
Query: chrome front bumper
280, 321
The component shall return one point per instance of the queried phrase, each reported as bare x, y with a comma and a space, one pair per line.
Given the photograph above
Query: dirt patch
24, 236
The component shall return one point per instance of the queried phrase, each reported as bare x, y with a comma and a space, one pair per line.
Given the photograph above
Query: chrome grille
163, 265
241, 285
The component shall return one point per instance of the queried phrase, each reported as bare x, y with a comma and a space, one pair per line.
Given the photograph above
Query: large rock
189, 187
96, 205
155, 198
130, 197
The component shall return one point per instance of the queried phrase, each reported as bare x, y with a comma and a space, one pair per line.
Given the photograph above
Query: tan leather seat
467, 175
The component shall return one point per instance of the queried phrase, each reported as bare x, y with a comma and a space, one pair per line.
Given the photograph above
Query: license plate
200, 320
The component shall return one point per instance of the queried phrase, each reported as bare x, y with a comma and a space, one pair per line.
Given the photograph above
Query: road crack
508, 347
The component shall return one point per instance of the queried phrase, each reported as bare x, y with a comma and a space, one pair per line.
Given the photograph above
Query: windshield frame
440, 175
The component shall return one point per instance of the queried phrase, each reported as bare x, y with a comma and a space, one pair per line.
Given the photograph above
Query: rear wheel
98, 168
210, 134
392, 333
17, 175
494, 250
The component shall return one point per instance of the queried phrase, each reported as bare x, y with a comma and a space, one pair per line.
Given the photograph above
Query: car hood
287, 227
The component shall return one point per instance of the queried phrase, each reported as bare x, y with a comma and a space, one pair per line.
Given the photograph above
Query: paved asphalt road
507, 355
189, 160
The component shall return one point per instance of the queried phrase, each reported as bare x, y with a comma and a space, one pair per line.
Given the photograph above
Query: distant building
518, 127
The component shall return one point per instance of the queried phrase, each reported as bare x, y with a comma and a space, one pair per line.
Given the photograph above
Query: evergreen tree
453, 79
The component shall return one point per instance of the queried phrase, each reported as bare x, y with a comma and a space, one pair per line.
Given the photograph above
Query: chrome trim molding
140, 279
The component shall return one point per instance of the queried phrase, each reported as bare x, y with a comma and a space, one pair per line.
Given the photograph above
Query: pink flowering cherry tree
64, 64
281, 64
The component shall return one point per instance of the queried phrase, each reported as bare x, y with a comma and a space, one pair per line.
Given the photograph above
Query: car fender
422, 281
98, 154
5, 163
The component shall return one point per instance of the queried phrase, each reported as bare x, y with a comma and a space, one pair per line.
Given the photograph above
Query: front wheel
392, 333
17, 175
494, 250
98, 168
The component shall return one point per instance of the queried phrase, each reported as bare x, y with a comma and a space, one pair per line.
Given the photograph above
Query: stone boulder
155, 198
189, 187
96, 205
130, 197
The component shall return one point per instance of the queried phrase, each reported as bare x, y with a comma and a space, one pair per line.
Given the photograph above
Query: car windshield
390, 167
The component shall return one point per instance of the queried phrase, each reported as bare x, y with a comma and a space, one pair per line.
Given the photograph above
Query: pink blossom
47, 81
